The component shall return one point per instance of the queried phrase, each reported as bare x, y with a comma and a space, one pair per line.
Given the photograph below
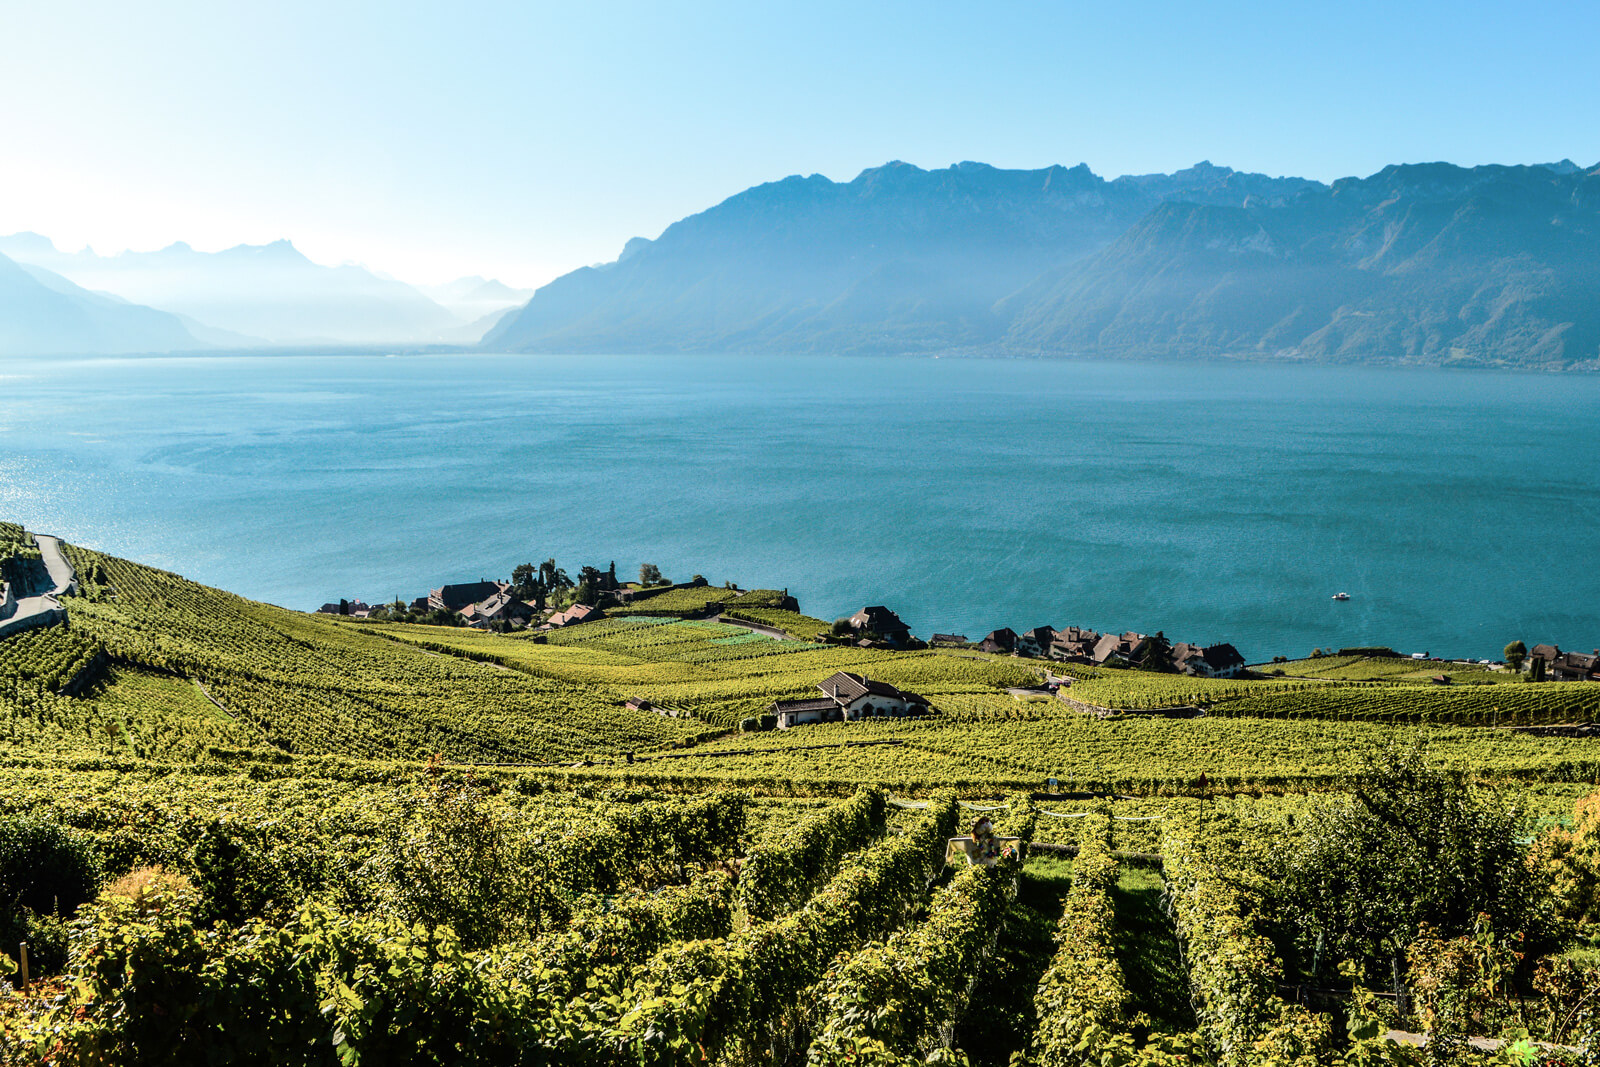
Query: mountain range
241, 297
1426, 263
42, 313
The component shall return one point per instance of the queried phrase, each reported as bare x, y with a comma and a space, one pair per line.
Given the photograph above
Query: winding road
44, 609
63, 577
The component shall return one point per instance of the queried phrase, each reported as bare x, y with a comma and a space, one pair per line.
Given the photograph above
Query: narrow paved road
45, 609
770, 631
62, 576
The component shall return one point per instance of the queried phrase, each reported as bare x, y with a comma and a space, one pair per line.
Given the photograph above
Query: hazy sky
522, 140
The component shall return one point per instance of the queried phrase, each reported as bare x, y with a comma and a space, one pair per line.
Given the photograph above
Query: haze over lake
1213, 501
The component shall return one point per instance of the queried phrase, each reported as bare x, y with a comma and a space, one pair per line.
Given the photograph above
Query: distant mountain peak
268, 292
46, 314
1421, 262
27, 241
282, 249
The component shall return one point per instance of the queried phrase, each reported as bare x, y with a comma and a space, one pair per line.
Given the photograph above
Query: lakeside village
539, 599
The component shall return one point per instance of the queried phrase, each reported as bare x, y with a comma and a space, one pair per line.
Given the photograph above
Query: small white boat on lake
1341, 596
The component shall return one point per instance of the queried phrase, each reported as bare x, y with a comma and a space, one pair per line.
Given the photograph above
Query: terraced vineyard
839, 937
716, 672
1368, 668
301, 840
302, 683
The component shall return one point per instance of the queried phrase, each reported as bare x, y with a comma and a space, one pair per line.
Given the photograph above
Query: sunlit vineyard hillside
230, 832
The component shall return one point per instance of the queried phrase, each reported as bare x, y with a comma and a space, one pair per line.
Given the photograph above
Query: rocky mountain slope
1425, 263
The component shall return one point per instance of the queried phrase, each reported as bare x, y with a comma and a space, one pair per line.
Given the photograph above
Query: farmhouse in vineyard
1567, 666
1212, 661
881, 623
455, 597
1001, 640
1035, 642
847, 698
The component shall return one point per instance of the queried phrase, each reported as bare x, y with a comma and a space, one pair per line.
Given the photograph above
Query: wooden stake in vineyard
23, 959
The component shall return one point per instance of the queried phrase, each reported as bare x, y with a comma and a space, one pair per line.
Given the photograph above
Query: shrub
45, 866
235, 874
151, 984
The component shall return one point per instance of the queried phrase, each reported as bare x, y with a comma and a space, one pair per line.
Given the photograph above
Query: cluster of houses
878, 626
1075, 644
479, 605
1562, 666
848, 697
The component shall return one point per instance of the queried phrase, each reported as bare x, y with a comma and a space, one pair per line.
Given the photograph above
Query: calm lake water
1212, 501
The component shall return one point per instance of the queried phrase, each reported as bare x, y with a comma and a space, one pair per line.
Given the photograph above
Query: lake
1213, 501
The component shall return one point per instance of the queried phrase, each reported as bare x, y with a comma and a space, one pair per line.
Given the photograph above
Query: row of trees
546, 583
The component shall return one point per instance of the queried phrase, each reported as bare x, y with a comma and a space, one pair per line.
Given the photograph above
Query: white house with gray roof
848, 697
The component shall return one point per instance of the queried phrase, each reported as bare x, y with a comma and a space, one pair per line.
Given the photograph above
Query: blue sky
522, 140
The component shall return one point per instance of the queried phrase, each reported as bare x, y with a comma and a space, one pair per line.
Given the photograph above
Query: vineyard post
23, 959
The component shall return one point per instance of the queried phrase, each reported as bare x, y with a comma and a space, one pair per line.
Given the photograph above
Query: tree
649, 574
1571, 858
1515, 653
524, 580
344, 606
611, 576
842, 627
1157, 655
553, 578
591, 580
1536, 671
1411, 844
529, 582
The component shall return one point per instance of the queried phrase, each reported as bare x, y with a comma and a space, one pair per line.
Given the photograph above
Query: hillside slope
44, 314
899, 259
1426, 264
270, 293
273, 678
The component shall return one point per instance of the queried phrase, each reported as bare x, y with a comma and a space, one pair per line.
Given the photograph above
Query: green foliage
1081, 999
1462, 986
456, 859
1411, 844
883, 1005
149, 984
47, 872
51, 657
782, 872
235, 872
45, 867
798, 626
1157, 654
1233, 967
728, 997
